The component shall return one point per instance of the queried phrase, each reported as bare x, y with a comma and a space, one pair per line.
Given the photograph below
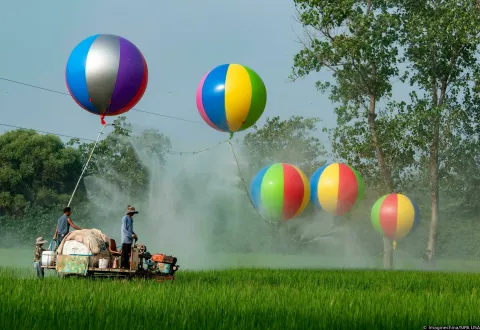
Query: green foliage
352, 143
245, 299
363, 43
39, 172
288, 141
38, 221
120, 158
443, 113
35, 170
357, 41
441, 41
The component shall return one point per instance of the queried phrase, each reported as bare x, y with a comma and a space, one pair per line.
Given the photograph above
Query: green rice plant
242, 299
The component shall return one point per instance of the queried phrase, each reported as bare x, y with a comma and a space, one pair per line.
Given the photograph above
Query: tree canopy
289, 141
35, 169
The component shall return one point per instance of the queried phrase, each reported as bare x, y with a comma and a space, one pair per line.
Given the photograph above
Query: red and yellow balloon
335, 188
395, 216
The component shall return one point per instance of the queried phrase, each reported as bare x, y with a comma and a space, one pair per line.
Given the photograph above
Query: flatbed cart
158, 267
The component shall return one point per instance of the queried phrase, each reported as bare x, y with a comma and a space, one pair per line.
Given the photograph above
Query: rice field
243, 299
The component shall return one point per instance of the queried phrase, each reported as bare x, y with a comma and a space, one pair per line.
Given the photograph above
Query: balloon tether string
245, 186
88, 161
325, 233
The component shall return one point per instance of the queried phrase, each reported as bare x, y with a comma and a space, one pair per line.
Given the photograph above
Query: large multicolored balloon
106, 75
280, 192
231, 98
335, 188
395, 216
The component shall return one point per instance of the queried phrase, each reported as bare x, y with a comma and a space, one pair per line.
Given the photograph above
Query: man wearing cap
63, 226
128, 235
37, 257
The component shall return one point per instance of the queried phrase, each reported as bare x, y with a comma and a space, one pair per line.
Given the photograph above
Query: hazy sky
181, 41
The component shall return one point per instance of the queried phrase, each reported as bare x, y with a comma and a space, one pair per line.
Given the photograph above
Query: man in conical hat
37, 257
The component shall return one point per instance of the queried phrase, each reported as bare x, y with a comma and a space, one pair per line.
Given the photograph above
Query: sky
180, 40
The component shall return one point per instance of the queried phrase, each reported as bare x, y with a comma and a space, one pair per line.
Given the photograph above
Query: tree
441, 40
123, 158
35, 169
356, 41
289, 141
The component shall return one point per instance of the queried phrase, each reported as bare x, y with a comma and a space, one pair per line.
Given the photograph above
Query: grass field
243, 299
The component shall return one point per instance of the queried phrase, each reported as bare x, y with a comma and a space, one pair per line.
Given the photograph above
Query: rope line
246, 188
180, 153
384, 251
86, 164
171, 152
63, 93
45, 132
325, 233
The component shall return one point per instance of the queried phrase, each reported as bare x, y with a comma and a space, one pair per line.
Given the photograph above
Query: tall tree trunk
385, 174
433, 168
433, 192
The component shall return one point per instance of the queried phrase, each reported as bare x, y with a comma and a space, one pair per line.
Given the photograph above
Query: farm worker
128, 235
63, 226
38, 256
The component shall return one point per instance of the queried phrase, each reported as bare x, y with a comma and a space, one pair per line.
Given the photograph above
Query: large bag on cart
90, 243
93, 239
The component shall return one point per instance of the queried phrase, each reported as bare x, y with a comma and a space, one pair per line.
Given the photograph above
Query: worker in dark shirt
63, 226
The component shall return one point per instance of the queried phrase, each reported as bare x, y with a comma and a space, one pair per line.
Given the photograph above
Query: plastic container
48, 258
103, 263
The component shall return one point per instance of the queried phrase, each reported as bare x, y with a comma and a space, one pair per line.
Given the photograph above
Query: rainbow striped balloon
395, 216
280, 192
335, 188
231, 98
106, 75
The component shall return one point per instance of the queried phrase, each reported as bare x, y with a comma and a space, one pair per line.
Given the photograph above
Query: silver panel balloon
101, 69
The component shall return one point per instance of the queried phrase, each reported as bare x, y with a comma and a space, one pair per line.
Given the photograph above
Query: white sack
74, 247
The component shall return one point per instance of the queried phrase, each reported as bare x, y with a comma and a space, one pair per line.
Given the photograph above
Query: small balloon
231, 98
335, 188
280, 192
395, 216
106, 75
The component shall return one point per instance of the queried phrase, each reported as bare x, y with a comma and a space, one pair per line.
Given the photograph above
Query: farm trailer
143, 264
